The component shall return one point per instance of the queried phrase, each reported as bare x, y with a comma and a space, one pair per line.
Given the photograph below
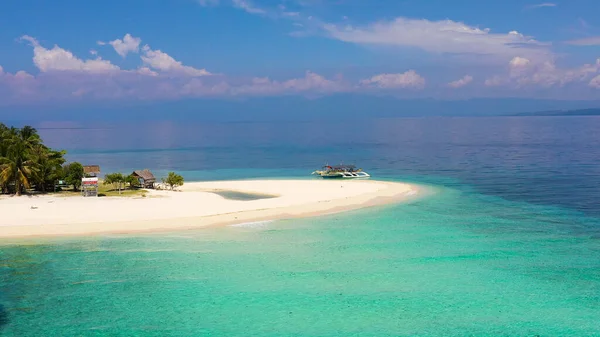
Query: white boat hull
345, 175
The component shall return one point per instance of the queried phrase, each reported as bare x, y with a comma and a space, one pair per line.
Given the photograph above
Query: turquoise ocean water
507, 245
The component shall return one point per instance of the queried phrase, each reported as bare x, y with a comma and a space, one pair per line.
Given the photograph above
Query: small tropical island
44, 195
27, 166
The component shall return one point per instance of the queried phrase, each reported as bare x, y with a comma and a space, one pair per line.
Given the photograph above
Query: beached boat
341, 172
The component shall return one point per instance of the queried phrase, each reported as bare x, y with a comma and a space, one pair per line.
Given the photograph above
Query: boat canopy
341, 167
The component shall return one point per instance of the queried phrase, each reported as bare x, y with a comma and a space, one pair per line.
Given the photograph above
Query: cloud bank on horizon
469, 61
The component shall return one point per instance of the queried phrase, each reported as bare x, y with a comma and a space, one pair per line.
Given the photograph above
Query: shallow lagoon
509, 245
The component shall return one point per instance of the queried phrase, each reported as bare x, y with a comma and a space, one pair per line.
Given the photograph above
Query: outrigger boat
341, 171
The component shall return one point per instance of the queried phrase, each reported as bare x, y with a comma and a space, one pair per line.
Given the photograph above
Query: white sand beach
195, 205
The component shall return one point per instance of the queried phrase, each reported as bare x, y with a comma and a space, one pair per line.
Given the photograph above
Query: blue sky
86, 51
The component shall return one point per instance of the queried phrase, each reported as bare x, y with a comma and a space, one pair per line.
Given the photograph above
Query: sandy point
197, 204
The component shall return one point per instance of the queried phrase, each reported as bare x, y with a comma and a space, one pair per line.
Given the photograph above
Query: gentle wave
254, 224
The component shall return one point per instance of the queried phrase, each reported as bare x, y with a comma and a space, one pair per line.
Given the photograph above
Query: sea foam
254, 224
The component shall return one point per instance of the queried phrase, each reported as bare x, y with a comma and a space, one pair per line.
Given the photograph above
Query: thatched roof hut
145, 177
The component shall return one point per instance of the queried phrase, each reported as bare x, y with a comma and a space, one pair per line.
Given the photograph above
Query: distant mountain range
577, 112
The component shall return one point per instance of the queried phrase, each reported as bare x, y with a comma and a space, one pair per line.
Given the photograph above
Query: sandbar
195, 205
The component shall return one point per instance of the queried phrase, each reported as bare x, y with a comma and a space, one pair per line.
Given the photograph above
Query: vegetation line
26, 163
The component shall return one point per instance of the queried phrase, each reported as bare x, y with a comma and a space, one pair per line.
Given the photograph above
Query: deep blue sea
508, 245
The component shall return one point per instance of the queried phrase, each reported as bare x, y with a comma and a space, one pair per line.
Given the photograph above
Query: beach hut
145, 177
91, 170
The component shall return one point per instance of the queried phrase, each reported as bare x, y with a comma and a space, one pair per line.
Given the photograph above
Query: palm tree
16, 172
16, 167
3, 129
6, 135
16, 164
3, 146
49, 166
24, 160
30, 136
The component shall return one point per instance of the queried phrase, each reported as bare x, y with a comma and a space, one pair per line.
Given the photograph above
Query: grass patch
109, 191
124, 193
106, 191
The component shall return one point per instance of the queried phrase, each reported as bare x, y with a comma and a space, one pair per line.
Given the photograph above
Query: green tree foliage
115, 179
72, 174
24, 161
132, 181
173, 180
49, 166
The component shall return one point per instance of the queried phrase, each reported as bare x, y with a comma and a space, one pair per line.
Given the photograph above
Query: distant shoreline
558, 113
197, 205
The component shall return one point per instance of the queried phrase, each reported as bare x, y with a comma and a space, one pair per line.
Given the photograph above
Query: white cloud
127, 45
445, 36
587, 41
595, 82
23, 75
64, 76
159, 60
147, 71
248, 7
284, 12
145, 84
548, 74
461, 82
311, 82
208, 2
495, 81
196, 87
542, 5
518, 66
409, 79
517, 62
18, 86
58, 59
523, 72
